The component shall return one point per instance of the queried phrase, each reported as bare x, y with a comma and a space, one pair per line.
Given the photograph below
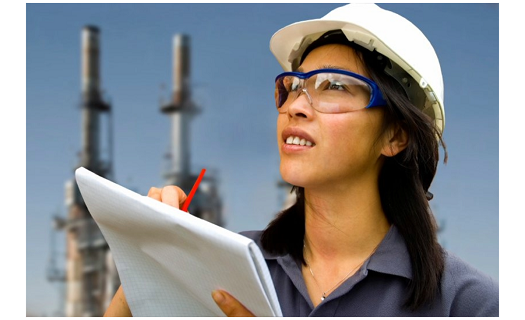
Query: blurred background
126, 98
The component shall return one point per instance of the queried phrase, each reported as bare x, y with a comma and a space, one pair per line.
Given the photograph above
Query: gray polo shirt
379, 287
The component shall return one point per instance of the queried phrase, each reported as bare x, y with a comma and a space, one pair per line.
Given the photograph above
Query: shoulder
255, 235
469, 291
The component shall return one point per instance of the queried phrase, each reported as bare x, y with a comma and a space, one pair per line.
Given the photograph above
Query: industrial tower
206, 204
91, 276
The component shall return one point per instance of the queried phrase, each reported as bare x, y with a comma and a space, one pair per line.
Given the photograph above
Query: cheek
340, 131
349, 137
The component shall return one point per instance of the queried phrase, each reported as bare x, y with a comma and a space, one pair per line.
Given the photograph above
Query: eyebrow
327, 66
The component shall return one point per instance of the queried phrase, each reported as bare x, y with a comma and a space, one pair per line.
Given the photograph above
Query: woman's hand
172, 195
229, 305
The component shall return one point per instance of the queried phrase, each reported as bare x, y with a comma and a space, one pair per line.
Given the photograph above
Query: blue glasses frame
376, 98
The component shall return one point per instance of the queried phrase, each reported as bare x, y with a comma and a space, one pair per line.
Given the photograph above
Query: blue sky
232, 79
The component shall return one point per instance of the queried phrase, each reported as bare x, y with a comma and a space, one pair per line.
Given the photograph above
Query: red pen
192, 192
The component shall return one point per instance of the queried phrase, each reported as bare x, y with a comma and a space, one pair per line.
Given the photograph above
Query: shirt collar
391, 256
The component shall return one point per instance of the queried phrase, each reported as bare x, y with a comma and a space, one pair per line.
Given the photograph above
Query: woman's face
344, 148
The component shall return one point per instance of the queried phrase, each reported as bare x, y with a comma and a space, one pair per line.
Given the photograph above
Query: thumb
229, 305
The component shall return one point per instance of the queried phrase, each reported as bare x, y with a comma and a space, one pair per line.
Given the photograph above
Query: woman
359, 125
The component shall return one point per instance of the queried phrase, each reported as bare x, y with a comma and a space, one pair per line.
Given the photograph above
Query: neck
343, 224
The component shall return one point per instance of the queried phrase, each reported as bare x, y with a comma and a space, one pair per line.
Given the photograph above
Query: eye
290, 83
330, 82
336, 85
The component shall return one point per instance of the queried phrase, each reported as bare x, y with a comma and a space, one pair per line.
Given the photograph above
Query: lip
296, 132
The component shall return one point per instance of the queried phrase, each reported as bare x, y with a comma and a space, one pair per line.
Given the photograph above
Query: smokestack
181, 69
92, 102
181, 110
90, 63
87, 279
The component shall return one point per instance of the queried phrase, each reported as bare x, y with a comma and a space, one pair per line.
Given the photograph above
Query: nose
301, 107
308, 95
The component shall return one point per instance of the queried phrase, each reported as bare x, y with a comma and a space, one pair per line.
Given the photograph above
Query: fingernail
217, 296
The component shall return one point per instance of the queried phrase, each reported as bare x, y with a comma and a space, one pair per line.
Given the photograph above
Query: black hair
403, 182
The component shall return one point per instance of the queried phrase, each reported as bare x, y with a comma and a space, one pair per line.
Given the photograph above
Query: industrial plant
89, 278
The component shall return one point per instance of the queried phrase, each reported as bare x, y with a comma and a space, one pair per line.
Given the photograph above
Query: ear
397, 141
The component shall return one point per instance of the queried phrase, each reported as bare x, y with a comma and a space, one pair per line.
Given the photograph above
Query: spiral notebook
169, 261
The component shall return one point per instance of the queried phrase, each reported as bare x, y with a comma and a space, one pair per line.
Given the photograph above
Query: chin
293, 176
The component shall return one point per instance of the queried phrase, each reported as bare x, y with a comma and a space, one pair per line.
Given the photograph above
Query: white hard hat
388, 33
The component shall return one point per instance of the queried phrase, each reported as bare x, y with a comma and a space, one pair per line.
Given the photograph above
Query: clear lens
330, 92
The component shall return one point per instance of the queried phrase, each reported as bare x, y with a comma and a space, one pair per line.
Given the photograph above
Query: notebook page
168, 260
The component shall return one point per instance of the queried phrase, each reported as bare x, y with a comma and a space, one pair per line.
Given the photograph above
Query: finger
154, 193
173, 195
119, 306
229, 305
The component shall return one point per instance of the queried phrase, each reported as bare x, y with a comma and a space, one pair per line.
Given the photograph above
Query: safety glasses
327, 90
